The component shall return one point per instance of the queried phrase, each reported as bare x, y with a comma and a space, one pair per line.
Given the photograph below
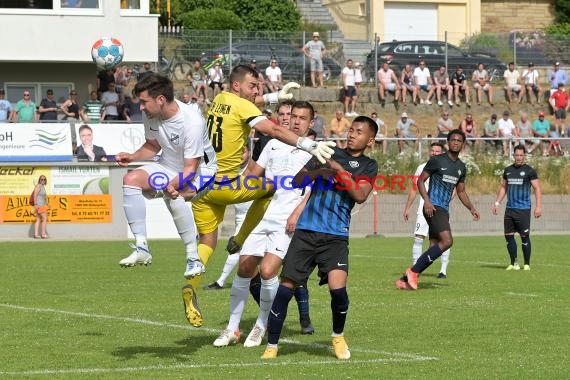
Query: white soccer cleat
226, 338
255, 337
140, 256
194, 268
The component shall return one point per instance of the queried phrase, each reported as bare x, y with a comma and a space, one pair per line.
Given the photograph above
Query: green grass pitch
69, 311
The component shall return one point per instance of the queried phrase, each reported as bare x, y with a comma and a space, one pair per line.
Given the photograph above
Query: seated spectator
469, 127
407, 84
531, 85
508, 131
444, 126
404, 131
491, 131
442, 83
512, 79
524, 130
273, 74
481, 82
197, 78
422, 79
339, 128
216, 79
554, 149
387, 82
381, 135
541, 129
460, 85
320, 127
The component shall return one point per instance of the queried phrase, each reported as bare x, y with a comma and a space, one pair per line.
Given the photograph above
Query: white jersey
417, 174
281, 162
182, 136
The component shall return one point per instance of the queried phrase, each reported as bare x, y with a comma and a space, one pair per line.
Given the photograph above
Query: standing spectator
358, 76
382, 134
87, 151
110, 100
560, 104
512, 81
491, 130
444, 126
260, 77
92, 109
339, 129
104, 78
48, 107
5, 107
469, 127
25, 110
146, 71
481, 82
442, 83
216, 78
320, 127
407, 84
132, 109
350, 95
197, 78
41, 207
70, 108
530, 80
315, 50
555, 77
524, 130
541, 129
507, 131
283, 119
186, 98
460, 85
518, 178
422, 79
404, 131
273, 74
387, 82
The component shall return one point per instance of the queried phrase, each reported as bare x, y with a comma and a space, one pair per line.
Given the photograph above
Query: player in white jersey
269, 241
422, 227
187, 160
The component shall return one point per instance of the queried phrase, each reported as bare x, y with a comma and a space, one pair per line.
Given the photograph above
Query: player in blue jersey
518, 178
446, 173
321, 234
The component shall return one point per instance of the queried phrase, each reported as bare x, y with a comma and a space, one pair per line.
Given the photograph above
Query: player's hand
475, 214
406, 215
335, 166
323, 150
123, 158
495, 210
291, 223
429, 208
171, 191
537, 212
284, 94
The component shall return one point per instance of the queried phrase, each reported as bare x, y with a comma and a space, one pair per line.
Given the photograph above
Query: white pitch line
521, 294
409, 356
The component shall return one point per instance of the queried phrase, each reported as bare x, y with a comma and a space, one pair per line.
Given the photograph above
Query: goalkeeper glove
280, 96
321, 149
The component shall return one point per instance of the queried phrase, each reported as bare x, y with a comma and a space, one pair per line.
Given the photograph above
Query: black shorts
517, 220
439, 222
309, 249
350, 92
214, 84
560, 113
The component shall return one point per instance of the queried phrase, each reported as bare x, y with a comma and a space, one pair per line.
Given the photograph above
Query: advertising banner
101, 142
35, 142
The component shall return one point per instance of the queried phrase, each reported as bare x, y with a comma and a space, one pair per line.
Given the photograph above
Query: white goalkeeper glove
320, 149
280, 96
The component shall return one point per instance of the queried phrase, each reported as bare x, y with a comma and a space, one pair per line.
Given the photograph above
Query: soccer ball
107, 52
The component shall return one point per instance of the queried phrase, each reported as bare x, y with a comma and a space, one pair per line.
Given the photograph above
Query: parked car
290, 58
401, 53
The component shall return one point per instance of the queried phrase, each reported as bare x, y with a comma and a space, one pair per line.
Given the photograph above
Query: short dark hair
437, 143
311, 132
156, 85
456, 132
520, 147
304, 104
371, 123
84, 127
239, 72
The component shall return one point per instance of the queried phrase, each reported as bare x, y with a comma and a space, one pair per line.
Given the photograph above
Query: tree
562, 11
210, 19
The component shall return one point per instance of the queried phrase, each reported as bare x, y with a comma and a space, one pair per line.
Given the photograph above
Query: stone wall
504, 16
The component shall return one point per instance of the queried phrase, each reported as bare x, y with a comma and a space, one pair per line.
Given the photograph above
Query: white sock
238, 298
445, 261
267, 295
417, 249
229, 266
135, 211
184, 221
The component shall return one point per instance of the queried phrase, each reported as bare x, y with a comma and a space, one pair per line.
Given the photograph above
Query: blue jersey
518, 186
445, 174
329, 206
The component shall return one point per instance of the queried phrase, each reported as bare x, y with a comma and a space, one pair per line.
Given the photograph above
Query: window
130, 4
52, 4
15, 91
80, 4
452, 51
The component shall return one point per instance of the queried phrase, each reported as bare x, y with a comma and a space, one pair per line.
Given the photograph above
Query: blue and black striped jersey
518, 186
445, 174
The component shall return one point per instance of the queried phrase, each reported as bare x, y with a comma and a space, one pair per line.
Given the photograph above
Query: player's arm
428, 206
538, 197
146, 152
253, 170
188, 174
409, 202
464, 198
358, 189
306, 176
294, 217
500, 195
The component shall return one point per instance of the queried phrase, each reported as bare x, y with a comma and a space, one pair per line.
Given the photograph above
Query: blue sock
526, 249
255, 288
302, 298
339, 308
511, 248
427, 258
278, 313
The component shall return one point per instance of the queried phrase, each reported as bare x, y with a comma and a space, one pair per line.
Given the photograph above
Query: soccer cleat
403, 285
306, 325
441, 275
140, 256
213, 286
412, 278
194, 268
255, 337
227, 337
191, 308
270, 353
340, 348
233, 246
526, 267
516, 266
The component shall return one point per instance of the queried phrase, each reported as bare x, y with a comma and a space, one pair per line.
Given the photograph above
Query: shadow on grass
186, 346
493, 266
317, 348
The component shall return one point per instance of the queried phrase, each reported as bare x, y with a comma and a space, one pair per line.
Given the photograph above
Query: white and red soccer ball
107, 52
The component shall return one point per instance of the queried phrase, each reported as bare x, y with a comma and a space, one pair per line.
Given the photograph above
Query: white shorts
485, 87
422, 227
257, 244
390, 86
514, 87
160, 175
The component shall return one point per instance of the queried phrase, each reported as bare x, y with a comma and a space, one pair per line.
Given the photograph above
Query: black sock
526, 247
302, 298
339, 308
511, 247
427, 258
278, 313
255, 288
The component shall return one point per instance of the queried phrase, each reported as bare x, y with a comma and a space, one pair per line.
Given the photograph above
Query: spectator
273, 74
197, 78
104, 78
186, 98
407, 84
194, 102
403, 131
320, 127
70, 108
269, 115
41, 207
132, 109
555, 77
387, 82
469, 127
512, 81
48, 107
358, 75
5, 107
422, 79
524, 130
554, 148
146, 71
350, 95
481, 82
442, 83
110, 100
339, 129
444, 126
491, 131
87, 151
460, 85
540, 129
315, 50
216, 78
508, 132
260, 77
25, 110
382, 134
560, 104
121, 80
530, 80
92, 109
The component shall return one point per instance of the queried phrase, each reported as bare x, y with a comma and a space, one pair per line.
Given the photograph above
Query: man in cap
557, 76
315, 51
403, 131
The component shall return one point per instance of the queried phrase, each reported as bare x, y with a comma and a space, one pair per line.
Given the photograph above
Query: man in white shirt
481, 83
348, 84
273, 74
507, 131
512, 78
530, 80
216, 78
422, 79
